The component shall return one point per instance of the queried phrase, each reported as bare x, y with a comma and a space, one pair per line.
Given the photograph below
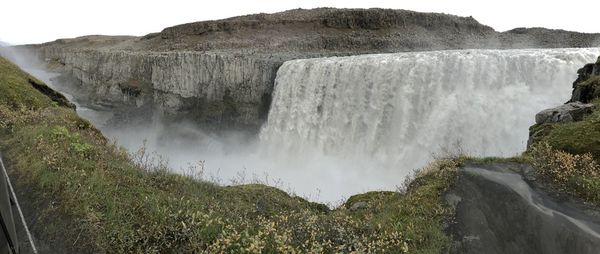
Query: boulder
573, 111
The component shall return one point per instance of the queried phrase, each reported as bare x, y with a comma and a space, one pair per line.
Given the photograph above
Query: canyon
221, 73
331, 103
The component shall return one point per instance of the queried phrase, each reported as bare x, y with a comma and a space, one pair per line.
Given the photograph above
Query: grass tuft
575, 174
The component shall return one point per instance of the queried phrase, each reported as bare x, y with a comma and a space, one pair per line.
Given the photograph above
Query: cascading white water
342, 126
393, 111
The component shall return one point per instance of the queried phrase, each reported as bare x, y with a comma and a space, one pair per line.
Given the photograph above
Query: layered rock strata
223, 71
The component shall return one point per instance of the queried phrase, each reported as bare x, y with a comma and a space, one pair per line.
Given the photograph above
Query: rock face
573, 111
586, 87
212, 87
223, 71
497, 211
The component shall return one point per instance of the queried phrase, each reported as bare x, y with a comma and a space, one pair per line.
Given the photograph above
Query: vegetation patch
487, 160
92, 196
567, 154
579, 137
575, 174
16, 91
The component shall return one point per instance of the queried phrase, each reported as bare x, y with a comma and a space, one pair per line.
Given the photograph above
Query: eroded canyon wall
216, 88
221, 73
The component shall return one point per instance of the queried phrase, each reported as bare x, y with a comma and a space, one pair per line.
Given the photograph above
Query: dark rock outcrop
55, 96
587, 86
500, 208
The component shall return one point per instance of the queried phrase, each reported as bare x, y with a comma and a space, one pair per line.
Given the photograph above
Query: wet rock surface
501, 208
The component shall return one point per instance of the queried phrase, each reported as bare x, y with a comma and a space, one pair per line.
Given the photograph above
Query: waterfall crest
395, 110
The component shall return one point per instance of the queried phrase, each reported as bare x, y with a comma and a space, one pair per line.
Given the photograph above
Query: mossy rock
537, 132
587, 90
586, 86
575, 137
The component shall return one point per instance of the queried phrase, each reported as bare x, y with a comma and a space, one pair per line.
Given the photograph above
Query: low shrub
578, 174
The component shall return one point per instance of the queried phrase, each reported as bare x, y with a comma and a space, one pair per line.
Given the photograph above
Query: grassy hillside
87, 195
567, 153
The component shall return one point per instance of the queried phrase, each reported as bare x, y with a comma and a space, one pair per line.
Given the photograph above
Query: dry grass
91, 196
578, 174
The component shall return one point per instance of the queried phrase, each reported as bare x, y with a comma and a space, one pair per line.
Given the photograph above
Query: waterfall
347, 125
393, 111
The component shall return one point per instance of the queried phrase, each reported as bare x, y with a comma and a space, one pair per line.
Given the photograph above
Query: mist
326, 149
229, 158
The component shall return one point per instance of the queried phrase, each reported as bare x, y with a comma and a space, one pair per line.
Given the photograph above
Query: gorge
387, 128
220, 74
182, 88
368, 121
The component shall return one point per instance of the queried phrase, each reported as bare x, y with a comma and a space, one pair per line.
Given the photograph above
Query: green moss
370, 197
577, 137
590, 88
540, 129
487, 160
592, 81
15, 90
90, 197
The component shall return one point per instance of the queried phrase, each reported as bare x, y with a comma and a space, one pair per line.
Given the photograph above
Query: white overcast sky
33, 21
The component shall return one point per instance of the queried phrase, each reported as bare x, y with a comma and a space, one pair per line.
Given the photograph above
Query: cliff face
587, 85
223, 71
217, 88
